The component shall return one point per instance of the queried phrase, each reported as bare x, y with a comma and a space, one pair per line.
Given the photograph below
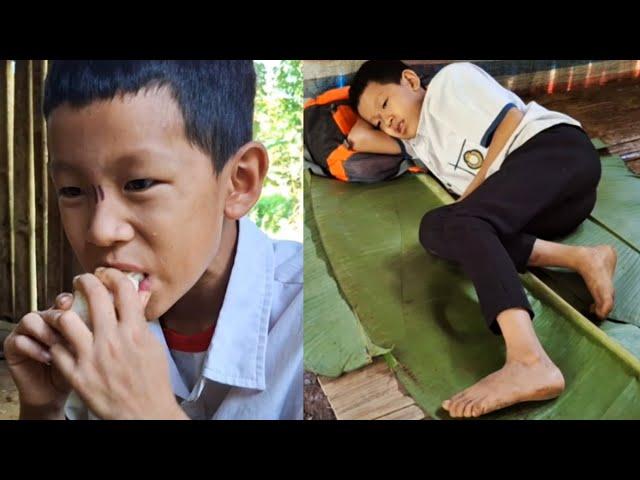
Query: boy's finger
72, 329
28, 347
127, 300
63, 301
102, 313
64, 361
33, 325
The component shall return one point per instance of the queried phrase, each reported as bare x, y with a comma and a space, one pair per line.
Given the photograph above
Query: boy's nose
107, 226
389, 121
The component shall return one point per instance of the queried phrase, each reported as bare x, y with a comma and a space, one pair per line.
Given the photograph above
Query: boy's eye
139, 184
70, 192
384, 105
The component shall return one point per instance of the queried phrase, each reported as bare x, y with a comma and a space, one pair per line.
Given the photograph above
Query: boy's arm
364, 138
500, 137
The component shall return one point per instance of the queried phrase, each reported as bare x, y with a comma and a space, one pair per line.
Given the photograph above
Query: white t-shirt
461, 111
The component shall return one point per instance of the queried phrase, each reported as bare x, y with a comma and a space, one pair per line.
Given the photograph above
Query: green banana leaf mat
370, 289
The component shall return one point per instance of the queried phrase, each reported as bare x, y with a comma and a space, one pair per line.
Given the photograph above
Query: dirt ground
9, 409
316, 405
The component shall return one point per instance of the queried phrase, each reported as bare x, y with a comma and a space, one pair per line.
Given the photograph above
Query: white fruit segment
81, 307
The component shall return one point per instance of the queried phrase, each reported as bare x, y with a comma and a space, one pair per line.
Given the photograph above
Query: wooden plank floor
370, 393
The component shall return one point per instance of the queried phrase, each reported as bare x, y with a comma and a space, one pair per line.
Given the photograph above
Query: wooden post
6, 194
41, 182
24, 188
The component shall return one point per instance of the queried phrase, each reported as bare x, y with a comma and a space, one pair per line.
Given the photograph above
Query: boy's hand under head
393, 108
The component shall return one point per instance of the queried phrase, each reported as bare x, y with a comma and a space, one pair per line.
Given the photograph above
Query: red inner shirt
197, 342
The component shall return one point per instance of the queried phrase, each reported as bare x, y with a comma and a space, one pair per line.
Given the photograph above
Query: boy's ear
411, 79
248, 167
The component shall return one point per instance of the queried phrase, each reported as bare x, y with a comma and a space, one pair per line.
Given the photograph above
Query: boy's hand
119, 369
42, 388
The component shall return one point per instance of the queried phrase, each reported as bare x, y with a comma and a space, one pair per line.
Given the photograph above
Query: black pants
544, 189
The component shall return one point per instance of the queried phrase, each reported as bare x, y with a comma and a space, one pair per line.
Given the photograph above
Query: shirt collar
237, 353
422, 121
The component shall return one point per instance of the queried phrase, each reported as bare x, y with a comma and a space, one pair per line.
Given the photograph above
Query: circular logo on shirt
473, 158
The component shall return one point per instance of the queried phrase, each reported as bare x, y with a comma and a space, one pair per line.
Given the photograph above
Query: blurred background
278, 124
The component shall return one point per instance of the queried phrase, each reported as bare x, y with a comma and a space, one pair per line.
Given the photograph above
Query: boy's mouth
80, 305
400, 127
140, 279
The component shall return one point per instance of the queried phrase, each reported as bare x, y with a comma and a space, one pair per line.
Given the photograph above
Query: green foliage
271, 209
278, 125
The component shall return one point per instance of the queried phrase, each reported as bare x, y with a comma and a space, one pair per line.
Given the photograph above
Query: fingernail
64, 298
99, 270
47, 357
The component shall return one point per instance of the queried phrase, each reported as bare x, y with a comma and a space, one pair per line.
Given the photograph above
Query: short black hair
378, 71
216, 97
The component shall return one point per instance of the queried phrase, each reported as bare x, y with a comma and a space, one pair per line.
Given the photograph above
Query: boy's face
132, 189
394, 108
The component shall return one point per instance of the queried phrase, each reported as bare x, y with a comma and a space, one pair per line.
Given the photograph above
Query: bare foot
516, 382
597, 266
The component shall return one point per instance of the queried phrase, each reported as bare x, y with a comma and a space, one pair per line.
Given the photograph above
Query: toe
605, 309
468, 408
453, 401
482, 407
458, 407
476, 410
453, 408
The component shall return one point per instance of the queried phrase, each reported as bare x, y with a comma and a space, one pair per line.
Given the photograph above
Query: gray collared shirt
253, 367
